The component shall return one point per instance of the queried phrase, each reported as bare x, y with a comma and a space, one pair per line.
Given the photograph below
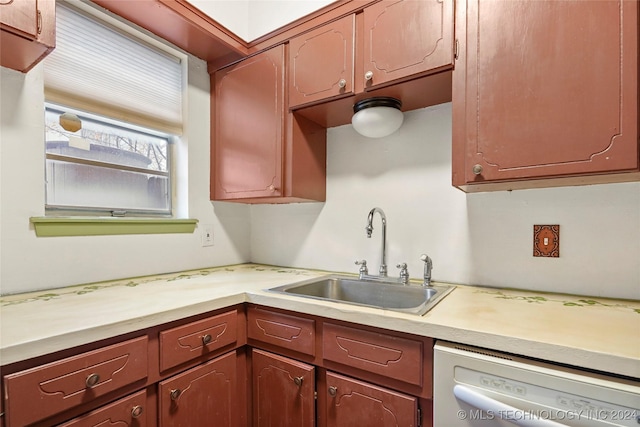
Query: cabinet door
127, 412
321, 63
554, 92
20, 17
204, 396
356, 403
405, 39
248, 127
283, 391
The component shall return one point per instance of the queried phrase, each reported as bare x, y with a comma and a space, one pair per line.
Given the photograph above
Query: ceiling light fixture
377, 117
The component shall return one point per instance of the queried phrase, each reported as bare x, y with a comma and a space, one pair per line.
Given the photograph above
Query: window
124, 90
105, 166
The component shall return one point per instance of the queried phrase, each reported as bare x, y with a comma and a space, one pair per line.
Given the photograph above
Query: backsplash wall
482, 239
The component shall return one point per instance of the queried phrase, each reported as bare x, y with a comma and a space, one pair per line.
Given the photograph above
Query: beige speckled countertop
593, 333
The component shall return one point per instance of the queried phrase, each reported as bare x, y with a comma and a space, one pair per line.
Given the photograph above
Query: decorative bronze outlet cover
546, 241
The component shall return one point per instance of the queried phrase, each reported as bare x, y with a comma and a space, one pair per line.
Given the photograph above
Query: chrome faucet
428, 265
369, 228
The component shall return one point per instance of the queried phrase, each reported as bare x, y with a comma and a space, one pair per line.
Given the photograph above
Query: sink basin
386, 295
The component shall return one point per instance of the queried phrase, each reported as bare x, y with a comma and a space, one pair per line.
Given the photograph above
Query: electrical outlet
546, 241
207, 235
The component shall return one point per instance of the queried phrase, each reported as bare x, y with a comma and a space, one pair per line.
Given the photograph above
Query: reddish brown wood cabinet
202, 396
390, 41
27, 32
544, 89
283, 391
355, 403
71, 382
197, 339
128, 412
259, 153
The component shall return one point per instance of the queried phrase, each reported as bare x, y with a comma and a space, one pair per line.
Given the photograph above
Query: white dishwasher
476, 387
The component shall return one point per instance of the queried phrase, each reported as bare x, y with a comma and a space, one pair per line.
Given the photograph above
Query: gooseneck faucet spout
369, 228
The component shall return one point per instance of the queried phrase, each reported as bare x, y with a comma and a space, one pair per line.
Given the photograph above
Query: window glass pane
76, 185
106, 143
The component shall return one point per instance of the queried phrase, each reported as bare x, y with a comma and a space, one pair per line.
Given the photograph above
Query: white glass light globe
377, 117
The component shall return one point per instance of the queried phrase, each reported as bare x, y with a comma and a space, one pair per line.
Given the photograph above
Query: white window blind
96, 68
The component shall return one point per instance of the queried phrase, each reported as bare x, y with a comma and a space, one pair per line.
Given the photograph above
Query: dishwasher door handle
501, 410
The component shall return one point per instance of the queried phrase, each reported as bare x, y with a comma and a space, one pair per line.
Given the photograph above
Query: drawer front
49, 389
196, 339
378, 353
291, 332
128, 412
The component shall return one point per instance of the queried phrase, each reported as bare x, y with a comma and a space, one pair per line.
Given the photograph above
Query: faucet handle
428, 265
404, 273
363, 268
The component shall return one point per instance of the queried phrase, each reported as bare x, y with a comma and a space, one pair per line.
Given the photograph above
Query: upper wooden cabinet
321, 63
27, 32
248, 127
390, 41
261, 153
545, 90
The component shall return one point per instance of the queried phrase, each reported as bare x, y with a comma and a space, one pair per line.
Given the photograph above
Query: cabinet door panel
127, 412
283, 391
356, 403
201, 397
406, 38
554, 92
249, 124
20, 17
321, 63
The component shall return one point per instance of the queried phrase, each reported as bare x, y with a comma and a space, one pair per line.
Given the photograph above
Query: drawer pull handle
298, 381
206, 339
333, 391
175, 393
136, 411
92, 380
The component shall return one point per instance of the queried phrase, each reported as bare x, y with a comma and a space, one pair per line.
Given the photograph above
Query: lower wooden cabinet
202, 396
356, 403
229, 369
128, 412
283, 391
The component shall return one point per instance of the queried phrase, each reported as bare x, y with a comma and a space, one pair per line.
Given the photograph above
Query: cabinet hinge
419, 417
455, 49
315, 395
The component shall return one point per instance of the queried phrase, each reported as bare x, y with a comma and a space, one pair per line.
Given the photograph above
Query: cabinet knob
175, 394
272, 187
92, 380
298, 381
477, 169
333, 390
342, 83
136, 411
368, 75
206, 339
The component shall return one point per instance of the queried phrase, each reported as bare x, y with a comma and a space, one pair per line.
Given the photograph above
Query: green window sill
87, 226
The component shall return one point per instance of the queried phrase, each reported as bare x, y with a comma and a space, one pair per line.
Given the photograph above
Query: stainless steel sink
386, 295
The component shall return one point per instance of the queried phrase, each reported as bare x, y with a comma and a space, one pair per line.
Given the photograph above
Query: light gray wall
30, 263
483, 239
